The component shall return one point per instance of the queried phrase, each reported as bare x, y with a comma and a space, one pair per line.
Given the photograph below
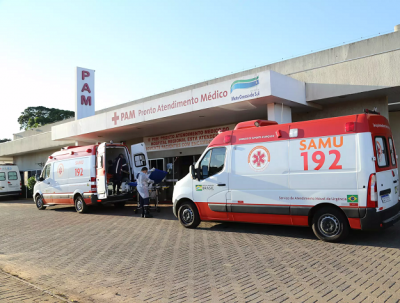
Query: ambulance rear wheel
80, 205
330, 224
39, 202
188, 215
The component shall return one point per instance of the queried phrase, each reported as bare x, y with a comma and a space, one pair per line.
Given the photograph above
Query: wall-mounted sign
84, 106
185, 139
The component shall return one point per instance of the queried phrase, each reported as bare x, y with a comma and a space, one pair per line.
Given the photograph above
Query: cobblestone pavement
112, 255
14, 290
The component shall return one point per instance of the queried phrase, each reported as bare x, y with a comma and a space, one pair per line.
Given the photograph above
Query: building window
156, 163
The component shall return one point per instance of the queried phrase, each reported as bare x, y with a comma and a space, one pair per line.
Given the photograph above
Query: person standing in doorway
143, 190
120, 166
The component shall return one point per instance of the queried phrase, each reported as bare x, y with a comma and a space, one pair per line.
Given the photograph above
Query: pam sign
84, 93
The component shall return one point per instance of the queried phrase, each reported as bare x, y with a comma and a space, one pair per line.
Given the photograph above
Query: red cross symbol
60, 170
115, 118
258, 158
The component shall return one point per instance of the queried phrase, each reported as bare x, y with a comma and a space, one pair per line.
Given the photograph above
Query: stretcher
154, 193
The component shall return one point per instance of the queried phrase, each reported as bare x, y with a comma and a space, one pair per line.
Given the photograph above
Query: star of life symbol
60, 169
259, 158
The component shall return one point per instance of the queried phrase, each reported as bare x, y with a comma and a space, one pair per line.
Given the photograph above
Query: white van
333, 174
81, 176
10, 181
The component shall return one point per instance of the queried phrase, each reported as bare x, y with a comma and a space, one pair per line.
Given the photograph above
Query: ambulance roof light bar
254, 123
293, 133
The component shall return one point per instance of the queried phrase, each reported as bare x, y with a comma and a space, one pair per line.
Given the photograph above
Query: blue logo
241, 84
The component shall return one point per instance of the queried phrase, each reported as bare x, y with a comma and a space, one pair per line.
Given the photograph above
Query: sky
141, 48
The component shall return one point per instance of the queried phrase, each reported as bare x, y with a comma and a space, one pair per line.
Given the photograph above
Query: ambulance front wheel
330, 224
39, 202
188, 215
80, 205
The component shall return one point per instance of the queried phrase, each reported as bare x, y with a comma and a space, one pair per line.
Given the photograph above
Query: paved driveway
113, 255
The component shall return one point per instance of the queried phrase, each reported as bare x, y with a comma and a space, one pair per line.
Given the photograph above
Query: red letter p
85, 74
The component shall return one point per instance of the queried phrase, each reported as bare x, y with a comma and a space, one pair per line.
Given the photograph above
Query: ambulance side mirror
39, 179
192, 171
204, 171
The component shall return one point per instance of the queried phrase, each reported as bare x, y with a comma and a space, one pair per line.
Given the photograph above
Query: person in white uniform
143, 189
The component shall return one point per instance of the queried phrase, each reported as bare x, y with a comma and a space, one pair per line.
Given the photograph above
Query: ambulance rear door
101, 171
3, 180
386, 176
139, 158
14, 179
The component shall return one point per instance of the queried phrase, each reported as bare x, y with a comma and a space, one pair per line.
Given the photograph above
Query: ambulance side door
210, 192
58, 189
101, 171
3, 181
259, 182
46, 186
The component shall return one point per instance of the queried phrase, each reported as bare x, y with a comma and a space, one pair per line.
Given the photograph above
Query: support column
279, 113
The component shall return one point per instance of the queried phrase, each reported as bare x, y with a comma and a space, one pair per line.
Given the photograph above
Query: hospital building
177, 125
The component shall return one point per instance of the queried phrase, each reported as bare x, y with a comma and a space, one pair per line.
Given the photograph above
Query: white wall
343, 109
30, 161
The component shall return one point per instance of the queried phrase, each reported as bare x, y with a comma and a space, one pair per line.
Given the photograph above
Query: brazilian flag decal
352, 198
199, 187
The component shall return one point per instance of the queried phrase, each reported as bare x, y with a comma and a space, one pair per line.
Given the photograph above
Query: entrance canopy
225, 102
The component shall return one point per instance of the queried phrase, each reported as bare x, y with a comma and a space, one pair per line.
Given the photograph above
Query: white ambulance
10, 181
82, 176
332, 174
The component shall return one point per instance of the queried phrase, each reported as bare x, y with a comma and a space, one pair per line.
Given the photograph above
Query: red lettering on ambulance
312, 144
324, 145
340, 144
335, 163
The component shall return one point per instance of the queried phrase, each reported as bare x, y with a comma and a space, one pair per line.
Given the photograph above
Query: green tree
33, 117
31, 183
4, 140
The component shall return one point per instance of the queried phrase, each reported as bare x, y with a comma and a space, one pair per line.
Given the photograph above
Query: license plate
385, 198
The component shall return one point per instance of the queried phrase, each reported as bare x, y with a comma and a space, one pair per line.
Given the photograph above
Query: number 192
318, 157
